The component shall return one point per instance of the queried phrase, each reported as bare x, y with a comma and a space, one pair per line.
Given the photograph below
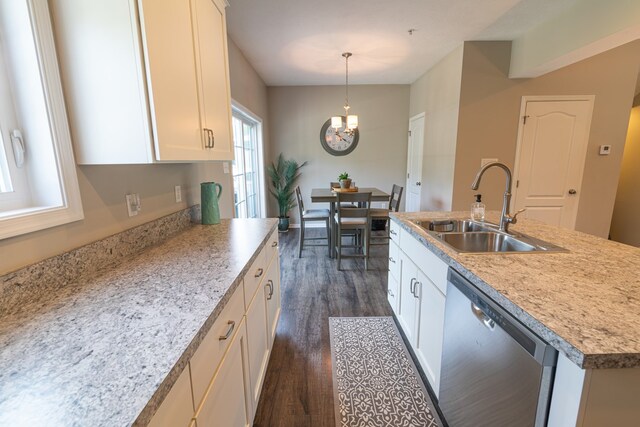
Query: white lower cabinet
177, 408
272, 297
258, 342
226, 402
419, 302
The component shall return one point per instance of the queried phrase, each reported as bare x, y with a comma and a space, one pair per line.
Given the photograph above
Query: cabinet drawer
393, 293
207, 357
429, 263
254, 276
394, 260
394, 231
272, 247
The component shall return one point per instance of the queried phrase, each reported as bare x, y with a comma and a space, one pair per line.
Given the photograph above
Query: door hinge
524, 120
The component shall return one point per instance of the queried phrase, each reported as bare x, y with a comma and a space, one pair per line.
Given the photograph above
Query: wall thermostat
605, 150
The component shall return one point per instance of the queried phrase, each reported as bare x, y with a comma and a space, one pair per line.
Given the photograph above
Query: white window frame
235, 105
22, 221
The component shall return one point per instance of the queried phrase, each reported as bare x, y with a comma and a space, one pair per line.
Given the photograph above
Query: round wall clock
337, 142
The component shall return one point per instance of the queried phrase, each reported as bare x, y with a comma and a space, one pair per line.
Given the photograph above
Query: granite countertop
105, 350
585, 302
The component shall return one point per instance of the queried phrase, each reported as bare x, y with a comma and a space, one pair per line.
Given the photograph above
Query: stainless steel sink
466, 236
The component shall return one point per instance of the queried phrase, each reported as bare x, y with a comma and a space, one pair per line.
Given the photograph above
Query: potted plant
283, 175
345, 181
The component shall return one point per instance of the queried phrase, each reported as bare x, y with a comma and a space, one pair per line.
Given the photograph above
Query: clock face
337, 142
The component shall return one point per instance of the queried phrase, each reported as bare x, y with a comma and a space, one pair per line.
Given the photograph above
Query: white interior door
551, 154
414, 163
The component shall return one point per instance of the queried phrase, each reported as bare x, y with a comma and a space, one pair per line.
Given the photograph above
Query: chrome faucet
505, 218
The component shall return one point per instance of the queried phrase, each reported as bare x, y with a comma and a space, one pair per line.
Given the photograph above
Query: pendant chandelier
352, 120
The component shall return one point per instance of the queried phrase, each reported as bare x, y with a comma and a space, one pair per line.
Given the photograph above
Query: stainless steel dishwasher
495, 372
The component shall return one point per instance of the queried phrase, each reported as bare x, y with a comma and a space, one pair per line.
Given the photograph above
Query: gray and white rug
375, 382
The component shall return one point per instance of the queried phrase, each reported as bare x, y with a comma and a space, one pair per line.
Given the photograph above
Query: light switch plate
225, 167
133, 204
178, 191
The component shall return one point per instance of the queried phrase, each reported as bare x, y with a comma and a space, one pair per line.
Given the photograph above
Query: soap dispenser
477, 209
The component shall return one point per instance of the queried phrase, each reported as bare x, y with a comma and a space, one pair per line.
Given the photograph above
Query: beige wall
488, 122
297, 113
437, 94
624, 225
103, 188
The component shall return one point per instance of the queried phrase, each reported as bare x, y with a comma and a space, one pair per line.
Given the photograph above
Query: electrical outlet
485, 161
133, 204
178, 191
225, 167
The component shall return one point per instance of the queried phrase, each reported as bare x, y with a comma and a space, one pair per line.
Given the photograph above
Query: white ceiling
300, 42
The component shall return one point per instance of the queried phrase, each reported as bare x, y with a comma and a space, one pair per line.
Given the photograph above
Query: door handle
573, 192
393, 232
418, 183
390, 293
392, 260
411, 285
213, 139
415, 289
274, 244
486, 320
270, 285
259, 272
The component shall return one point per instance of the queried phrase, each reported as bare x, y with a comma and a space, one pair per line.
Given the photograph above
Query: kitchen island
104, 346
584, 302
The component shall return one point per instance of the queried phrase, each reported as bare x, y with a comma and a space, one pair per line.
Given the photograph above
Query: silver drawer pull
390, 293
393, 232
232, 326
274, 244
486, 320
259, 272
270, 285
392, 260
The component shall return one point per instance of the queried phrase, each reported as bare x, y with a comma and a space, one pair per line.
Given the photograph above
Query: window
248, 183
38, 181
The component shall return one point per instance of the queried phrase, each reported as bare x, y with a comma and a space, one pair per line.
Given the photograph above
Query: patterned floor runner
375, 382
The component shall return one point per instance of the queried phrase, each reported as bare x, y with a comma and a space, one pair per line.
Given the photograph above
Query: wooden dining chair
310, 216
383, 214
349, 220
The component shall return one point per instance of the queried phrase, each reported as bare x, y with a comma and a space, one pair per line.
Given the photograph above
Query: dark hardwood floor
298, 388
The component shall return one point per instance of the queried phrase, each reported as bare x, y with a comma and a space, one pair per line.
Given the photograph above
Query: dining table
327, 195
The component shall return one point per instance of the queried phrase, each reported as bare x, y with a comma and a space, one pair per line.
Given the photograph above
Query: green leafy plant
343, 175
283, 175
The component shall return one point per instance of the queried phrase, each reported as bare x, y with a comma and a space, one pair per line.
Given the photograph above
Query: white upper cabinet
146, 81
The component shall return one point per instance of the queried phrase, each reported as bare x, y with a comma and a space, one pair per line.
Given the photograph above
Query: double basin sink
466, 236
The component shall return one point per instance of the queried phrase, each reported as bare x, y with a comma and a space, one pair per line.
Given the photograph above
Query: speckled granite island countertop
106, 349
586, 302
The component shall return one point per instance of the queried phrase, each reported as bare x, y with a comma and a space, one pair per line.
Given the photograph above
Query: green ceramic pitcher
209, 195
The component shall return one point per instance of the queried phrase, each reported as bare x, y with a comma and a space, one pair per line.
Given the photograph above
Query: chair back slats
361, 200
396, 196
299, 200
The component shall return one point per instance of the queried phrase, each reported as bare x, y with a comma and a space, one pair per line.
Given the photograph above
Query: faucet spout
505, 218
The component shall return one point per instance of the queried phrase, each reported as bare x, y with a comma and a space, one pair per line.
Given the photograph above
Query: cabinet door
428, 345
227, 402
272, 295
258, 342
408, 301
167, 35
177, 408
213, 75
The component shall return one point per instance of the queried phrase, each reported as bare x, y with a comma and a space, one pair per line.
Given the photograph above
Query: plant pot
283, 224
345, 183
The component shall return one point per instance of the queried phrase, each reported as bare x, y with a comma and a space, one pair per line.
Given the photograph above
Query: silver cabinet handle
390, 293
270, 285
411, 285
415, 289
392, 260
232, 326
213, 139
274, 244
259, 273
393, 232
